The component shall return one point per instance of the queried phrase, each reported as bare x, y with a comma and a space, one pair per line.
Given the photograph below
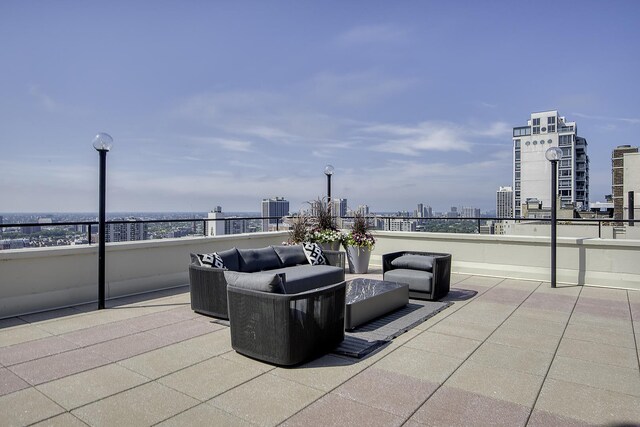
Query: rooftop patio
516, 353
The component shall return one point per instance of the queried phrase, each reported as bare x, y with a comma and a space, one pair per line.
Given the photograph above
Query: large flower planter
358, 259
330, 246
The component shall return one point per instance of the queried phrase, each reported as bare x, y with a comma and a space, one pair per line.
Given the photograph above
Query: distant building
620, 197
631, 184
126, 232
504, 202
469, 212
363, 210
339, 207
453, 212
216, 228
278, 207
400, 224
532, 171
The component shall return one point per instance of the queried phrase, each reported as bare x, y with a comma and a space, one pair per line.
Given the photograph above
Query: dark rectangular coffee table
367, 299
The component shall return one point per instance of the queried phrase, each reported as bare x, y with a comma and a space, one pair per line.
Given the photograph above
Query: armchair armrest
208, 290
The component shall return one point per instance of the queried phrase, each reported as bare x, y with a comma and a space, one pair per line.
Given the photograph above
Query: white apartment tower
504, 202
532, 171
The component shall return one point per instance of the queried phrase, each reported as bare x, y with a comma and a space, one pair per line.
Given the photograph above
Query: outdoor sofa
208, 284
428, 274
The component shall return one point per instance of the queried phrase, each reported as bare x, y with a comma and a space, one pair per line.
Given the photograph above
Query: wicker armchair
431, 283
286, 329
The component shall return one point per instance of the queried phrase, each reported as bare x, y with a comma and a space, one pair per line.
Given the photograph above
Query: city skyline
227, 104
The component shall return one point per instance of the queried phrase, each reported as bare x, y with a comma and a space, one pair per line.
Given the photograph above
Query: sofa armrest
335, 258
208, 291
286, 329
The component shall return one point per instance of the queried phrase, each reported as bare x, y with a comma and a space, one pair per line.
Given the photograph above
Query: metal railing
385, 219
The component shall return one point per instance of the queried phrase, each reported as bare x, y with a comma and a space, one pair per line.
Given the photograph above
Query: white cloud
44, 100
225, 143
373, 34
629, 120
357, 89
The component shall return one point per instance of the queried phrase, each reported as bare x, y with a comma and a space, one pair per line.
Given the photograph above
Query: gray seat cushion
303, 278
291, 255
264, 282
418, 280
252, 260
414, 262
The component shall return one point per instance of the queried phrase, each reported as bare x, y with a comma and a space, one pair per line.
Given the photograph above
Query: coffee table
367, 299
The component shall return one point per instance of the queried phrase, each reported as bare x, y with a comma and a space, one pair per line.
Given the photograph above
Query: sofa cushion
417, 280
314, 253
252, 260
263, 282
230, 259
301, 278
414, 262
291, 255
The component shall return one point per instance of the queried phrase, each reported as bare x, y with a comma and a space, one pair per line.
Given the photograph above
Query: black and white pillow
211, 260
314, 253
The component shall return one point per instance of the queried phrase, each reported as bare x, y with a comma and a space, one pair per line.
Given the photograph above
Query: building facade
618, 179
277, 207
125, 232
532, 171
504, 202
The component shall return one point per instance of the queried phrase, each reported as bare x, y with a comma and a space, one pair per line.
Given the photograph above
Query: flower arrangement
326, 236
359, 234
299, 229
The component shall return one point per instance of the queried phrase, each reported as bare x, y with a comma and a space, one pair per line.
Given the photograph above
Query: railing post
204, 227
478, 225
89, 233
632, 208
277, 224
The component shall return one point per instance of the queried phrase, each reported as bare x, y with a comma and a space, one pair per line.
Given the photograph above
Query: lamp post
553, 154
102, 143
328, 170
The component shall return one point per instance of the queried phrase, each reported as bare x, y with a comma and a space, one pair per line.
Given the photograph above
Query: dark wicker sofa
427, 273
208, 285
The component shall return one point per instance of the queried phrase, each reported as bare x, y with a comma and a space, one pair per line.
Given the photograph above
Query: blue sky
227, 102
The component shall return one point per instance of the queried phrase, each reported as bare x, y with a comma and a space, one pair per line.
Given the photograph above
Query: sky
228, 102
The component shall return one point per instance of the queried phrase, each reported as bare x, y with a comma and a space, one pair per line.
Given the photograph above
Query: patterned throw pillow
314, 253
211, 260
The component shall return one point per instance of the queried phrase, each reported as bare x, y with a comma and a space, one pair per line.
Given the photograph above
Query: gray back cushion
414, 262
258, 259
263, 282
291, 255
230, 259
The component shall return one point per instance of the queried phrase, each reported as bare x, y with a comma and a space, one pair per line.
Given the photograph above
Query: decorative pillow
208, 260
414, 262
263, 282
230, 259
290, 255
314, 253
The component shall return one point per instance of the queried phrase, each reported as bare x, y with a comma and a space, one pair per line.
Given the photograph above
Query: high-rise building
126, 232
400, 224
339, 207
216, 227
504, 202
469, 212
532, 171
276, 208
618, 180
363, 210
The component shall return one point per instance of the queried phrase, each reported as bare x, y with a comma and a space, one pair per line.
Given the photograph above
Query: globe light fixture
553, 154
102, 143
328, 170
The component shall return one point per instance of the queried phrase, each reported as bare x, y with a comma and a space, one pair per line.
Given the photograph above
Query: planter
358, 259
330, 246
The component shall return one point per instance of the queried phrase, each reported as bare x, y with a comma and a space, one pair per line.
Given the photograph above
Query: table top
360, 289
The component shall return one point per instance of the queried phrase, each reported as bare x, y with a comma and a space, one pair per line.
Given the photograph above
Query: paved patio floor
516, 353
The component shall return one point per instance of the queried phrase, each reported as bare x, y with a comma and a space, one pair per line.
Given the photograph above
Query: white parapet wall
34, 280
582, 261
40, 279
